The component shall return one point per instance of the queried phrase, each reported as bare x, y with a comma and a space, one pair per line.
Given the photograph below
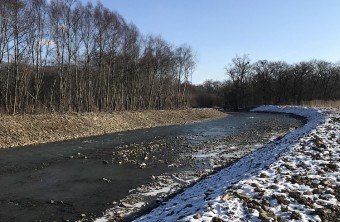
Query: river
82, 178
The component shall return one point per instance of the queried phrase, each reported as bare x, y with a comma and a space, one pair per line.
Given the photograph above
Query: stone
197, 216
308, 193
225, 197
295, 195
142, 165
264, 216
257, 189
265, 205
295, 215
330, 191
282, 199
284, 208
274, 187
280, 219
317, 191
300, 198
121, 215
297, 179
322, 211
243, 196
325, 197
320, 144
217, 219
327, 182
289, 167
111, 214
263, 175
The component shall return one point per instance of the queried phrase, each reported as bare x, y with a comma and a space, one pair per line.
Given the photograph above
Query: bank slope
295, 178
20, 130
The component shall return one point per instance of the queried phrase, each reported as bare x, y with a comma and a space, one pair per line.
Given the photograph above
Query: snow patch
281, 179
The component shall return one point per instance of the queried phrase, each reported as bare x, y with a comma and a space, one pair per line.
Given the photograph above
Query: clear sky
218, 30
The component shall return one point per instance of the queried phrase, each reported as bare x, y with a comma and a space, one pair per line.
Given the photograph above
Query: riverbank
21, 130
295, 178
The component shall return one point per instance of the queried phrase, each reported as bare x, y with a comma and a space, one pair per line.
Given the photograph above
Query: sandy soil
21, 130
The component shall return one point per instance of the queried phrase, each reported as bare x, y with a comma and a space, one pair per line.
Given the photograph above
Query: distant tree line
209, 94
273, 82
61, 55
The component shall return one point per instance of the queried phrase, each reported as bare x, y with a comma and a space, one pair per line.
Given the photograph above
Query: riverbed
128, 171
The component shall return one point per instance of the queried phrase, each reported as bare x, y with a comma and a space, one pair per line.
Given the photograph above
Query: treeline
279, 83
61, 55
209, 94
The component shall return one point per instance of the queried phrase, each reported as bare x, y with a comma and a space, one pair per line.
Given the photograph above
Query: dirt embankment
20, 130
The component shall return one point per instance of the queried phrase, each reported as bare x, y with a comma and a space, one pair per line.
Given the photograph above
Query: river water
63, 180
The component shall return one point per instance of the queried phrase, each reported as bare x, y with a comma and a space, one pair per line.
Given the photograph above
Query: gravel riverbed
192, 159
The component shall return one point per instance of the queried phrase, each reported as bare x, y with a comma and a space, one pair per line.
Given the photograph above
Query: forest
270, 82
63, 56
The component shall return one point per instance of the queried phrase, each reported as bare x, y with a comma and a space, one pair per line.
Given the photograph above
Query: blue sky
218, 30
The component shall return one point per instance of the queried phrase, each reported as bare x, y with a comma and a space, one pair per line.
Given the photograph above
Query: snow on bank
295, 178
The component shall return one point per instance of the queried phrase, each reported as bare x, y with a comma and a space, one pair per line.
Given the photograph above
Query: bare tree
239, 71
62, 56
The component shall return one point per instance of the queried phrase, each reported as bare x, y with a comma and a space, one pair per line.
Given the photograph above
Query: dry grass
322, 103
20, 130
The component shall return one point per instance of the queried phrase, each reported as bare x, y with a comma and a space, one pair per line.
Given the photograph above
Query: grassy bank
322, 103
20, 130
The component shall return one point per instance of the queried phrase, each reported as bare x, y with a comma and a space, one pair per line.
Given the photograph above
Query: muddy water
61, 181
